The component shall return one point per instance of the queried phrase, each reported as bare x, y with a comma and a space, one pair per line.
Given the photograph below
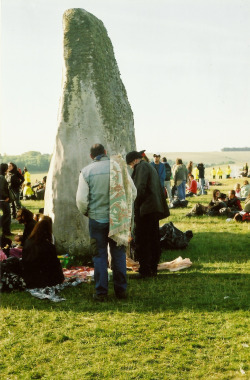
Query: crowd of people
121, 204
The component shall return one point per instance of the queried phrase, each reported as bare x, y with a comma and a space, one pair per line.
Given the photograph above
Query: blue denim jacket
93, 189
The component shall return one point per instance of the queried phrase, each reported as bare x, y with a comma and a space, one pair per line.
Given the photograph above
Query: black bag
177, 203
172, 238
11, 265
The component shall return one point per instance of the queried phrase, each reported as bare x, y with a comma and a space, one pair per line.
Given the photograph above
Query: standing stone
93, 109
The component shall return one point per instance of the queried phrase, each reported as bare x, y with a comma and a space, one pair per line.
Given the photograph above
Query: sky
185, 65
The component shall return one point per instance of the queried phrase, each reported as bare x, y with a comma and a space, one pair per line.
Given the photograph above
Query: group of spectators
118, 204
186, 179
221, 204
14, 186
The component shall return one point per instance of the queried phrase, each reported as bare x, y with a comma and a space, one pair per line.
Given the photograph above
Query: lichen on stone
89, 56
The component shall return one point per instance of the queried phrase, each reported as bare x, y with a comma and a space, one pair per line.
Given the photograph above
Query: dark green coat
150, 197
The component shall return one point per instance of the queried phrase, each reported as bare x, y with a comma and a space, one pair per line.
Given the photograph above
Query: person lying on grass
218, 202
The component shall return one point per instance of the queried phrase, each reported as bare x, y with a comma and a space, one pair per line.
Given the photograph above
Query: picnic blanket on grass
172, 266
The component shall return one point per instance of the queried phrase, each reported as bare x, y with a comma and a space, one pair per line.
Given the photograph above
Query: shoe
100, 297
121, 295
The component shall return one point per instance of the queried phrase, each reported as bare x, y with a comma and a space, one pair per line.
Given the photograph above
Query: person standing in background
5, 219
105, 194
201, 169
15, 180
167, 181
160, 168
213, 173
180, 179
219, 173
228, 171
150, 206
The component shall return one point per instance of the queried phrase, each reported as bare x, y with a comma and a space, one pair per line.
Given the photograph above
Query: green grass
37, 177
191, 324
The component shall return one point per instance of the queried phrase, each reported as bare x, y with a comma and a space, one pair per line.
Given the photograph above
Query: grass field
192, 324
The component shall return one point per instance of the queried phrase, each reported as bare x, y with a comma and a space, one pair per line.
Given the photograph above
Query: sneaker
100, 297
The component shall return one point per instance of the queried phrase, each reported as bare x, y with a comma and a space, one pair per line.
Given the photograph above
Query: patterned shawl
122, 194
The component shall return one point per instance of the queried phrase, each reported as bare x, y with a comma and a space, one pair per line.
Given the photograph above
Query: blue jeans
99, 247
181, 190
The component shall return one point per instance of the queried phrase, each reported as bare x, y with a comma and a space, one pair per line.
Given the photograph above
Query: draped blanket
122, 195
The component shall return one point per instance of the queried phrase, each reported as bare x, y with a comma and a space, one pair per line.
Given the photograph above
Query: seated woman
24, 216
217, 202
237, 189
245, 190
192, 189
41, 267
244, 215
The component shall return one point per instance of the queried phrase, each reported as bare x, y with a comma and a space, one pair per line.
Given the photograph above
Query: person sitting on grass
237, 189
28, 193
245, 190
244, 215
218, 201
24, 216
40, 264
192, 189
233, 202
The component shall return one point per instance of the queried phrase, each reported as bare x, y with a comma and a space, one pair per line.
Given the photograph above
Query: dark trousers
147, 243
5, 219
16, 204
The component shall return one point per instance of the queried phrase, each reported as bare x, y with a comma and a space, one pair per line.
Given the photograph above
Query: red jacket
193, 187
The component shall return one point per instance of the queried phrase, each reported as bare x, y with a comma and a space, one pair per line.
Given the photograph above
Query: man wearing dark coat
149, 207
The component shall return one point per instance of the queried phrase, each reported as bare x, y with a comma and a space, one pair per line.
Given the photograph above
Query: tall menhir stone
93, 108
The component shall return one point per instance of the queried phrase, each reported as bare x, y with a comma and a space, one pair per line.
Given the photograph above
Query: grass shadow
169, 291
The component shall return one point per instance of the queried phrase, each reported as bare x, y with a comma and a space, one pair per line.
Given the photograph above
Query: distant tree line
235, 149
34, 161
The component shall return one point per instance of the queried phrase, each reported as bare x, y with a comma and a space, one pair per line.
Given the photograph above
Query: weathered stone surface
93, 108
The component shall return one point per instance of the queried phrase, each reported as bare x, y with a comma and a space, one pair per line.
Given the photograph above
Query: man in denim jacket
93, 200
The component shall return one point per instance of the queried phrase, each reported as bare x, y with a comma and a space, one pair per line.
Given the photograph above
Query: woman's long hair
14, 170
42, 231
215, 198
